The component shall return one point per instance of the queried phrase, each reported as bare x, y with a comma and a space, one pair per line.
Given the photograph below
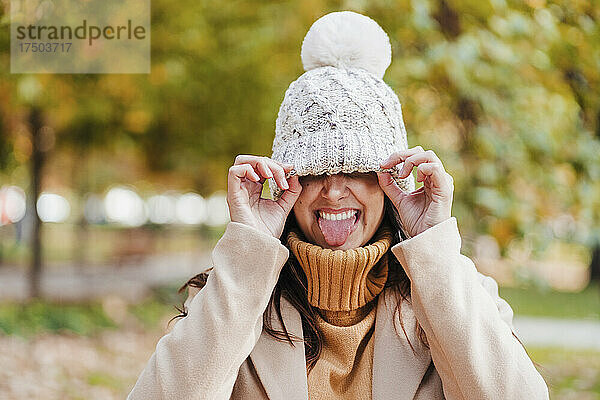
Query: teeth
338, 216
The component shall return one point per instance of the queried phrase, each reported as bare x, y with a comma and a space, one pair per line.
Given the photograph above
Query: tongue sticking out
336, 232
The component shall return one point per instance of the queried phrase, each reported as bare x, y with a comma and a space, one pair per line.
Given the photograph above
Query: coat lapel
281, 368
397, 371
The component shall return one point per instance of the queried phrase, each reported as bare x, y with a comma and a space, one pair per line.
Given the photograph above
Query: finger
390, 187
399, 156
416, 159
263, 168
246, 159
286, 166
250, 159
422, 172
256, 163
239, 172
435, 173
278, 173
289, 197
267, 167
417, 191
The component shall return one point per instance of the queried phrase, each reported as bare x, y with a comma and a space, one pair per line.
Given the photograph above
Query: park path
553, 332
131, 282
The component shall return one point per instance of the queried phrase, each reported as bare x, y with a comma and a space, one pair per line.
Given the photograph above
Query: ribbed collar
343, 280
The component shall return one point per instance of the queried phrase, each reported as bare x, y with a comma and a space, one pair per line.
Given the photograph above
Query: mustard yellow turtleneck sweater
343, 285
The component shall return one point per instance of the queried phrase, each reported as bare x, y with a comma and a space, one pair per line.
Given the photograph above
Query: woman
348, 283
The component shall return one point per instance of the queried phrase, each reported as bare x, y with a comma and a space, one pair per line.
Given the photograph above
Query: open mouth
337, 225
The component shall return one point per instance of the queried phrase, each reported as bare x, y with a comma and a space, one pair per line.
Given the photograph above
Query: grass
570, 374
99, 378
38, 316
28, 319
550, 303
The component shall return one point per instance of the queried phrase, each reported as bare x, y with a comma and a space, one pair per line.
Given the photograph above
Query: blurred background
112, 186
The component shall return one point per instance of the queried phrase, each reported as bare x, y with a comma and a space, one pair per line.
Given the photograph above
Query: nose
335, 187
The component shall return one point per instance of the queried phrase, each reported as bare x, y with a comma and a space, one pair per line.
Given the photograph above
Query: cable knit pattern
334, 120
338, 116
343, 280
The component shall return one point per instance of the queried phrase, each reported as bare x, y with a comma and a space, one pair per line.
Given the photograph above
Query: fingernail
285, 185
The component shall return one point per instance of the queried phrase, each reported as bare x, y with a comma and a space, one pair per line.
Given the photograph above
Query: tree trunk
37, 163
80, 180
595, 264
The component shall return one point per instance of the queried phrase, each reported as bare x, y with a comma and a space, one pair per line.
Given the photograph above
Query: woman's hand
428, 205
244, 187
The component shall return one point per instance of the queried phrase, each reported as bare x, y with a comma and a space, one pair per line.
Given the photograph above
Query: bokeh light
218, 209
161, 209
191, 209
12, 204
52, 208
93, 209
124, 206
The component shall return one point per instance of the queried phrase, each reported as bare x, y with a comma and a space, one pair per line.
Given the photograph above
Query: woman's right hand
244, 187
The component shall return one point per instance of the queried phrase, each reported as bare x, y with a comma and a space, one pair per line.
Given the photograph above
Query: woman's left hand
428, 205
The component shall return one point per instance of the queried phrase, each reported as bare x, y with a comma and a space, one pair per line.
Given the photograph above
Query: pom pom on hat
346, 39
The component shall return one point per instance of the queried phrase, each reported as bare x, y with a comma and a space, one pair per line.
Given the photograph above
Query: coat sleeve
201, 356
468, 326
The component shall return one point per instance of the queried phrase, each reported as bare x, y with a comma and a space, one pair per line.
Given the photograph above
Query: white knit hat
340, 116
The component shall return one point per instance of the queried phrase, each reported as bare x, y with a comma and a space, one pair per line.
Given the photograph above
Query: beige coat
219, 350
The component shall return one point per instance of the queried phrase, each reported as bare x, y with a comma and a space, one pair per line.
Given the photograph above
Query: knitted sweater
342, 284
344, 369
